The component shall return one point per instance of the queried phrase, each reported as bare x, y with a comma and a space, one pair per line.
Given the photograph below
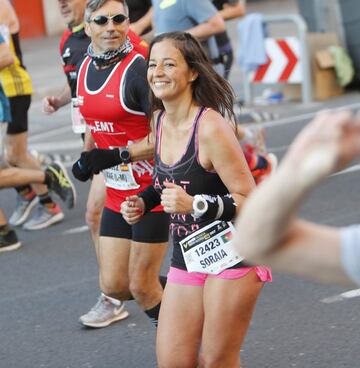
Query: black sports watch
124, 155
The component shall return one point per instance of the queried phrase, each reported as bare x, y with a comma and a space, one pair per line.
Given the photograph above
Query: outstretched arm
268, 231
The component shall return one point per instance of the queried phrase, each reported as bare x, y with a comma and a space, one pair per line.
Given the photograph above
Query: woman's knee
223, 359
172, 361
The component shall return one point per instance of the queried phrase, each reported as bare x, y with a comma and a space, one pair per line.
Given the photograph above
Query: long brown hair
209, 88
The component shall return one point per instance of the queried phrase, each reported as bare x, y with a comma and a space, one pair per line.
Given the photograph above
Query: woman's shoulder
211, 124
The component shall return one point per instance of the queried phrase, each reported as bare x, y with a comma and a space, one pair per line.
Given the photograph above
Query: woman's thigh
228, 308
180, 326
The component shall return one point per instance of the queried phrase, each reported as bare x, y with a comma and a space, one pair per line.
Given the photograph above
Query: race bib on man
78, 122
120, 177
210, 249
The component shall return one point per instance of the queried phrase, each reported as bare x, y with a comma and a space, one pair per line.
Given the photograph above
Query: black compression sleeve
219, 208
150, 197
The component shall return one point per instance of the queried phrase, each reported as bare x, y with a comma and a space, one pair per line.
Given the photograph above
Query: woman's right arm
220, 151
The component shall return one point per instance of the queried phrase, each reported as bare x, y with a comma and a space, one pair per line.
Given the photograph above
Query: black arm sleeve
136, 90
150, 197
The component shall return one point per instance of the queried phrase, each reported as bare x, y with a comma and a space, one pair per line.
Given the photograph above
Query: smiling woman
201, 179
168, 73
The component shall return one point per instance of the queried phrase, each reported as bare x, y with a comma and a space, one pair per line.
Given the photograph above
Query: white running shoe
44, 217
103, 313
22, 210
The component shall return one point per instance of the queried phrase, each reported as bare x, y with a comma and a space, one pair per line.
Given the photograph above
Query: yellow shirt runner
15, 79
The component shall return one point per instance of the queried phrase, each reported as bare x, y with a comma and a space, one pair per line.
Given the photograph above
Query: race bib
78, 122
5, 32
210, 249
120, 177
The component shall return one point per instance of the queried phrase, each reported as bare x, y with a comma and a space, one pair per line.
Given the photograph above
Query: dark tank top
189, 174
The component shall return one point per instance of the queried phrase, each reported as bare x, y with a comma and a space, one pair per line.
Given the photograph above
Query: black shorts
19, 112
152, 228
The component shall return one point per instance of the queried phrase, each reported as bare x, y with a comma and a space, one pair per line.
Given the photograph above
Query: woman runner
201, 178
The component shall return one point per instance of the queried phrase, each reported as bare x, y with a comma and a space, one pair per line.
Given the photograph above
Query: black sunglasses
101, 20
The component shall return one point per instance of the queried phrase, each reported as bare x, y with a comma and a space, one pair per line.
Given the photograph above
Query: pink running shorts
182, 277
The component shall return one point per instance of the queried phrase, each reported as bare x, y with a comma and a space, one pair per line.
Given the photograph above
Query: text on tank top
187, 173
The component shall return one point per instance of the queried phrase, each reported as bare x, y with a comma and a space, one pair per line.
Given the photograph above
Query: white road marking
343, 296
50, 133
76, 230
348, 170
57, 146
298, 118
277, 149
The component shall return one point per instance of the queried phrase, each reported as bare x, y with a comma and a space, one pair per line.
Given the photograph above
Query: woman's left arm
219, 150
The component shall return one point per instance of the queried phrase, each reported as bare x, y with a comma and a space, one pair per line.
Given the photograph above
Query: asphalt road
48, 283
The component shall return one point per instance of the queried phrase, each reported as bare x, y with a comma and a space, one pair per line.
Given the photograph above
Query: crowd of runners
148, 86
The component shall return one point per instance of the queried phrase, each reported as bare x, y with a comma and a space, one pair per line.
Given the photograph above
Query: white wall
54, 23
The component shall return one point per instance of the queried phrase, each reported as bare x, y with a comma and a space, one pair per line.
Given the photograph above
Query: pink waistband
184, 277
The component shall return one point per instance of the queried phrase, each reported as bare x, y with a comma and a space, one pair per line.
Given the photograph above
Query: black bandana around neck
111, 56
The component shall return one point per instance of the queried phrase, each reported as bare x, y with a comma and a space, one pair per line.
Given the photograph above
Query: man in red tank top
112, 92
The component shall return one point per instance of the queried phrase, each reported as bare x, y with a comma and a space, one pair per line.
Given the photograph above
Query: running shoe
44, 217
61, 184
22, 210
265, 170
9, 241
254, 140
103, 313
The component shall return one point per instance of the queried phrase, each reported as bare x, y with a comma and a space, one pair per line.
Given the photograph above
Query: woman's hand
132, 209
174, 199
